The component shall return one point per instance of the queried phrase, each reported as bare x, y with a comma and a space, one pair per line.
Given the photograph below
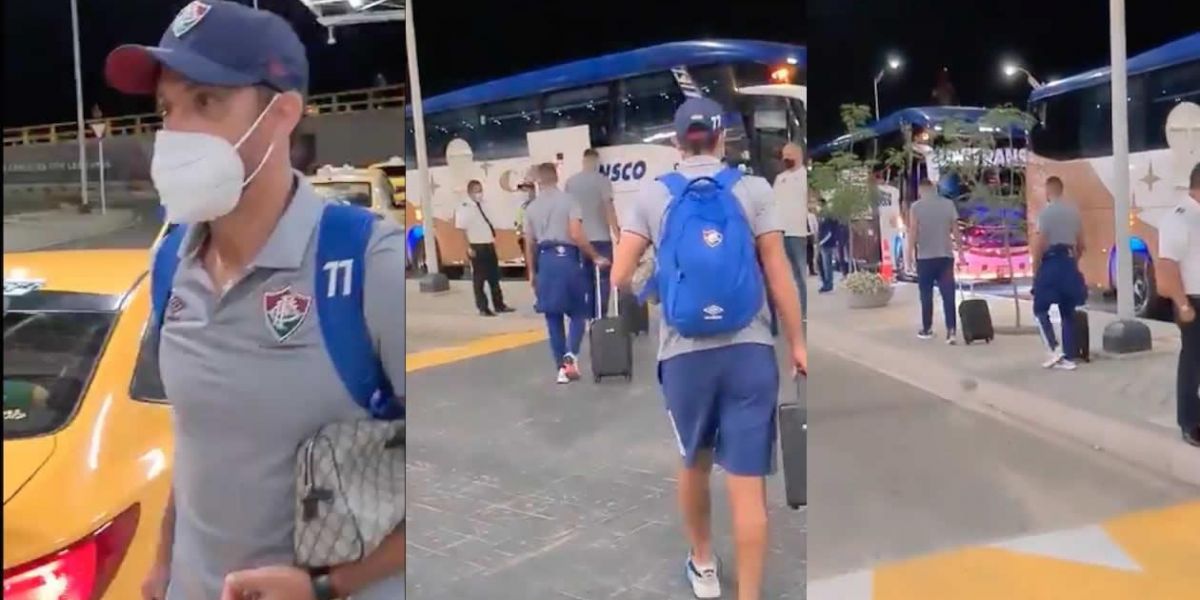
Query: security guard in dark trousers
472, 219
558, 276
1178, 271
1057, 280
243, 353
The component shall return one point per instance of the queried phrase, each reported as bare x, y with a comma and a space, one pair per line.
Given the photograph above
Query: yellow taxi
87, 438
369, 188
394, 169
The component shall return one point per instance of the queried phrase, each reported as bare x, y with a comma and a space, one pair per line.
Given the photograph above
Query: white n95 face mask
200, 177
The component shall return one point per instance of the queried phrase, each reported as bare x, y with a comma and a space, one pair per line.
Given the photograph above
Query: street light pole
878, 78
433, 281
82, 133
1126, 334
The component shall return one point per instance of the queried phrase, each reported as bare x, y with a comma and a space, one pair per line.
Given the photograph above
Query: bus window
503, 128
768, 117
445, 126
1095, 122
1167, 89
581, 106
648, 106
716, 82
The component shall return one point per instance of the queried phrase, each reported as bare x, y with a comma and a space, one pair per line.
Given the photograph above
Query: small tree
844, 178
968, 150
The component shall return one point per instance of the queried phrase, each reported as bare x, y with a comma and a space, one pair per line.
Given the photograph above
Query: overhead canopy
335, 13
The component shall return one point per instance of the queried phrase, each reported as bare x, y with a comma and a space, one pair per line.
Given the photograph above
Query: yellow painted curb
474, 348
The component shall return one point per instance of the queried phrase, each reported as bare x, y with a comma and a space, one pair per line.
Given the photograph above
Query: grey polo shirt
548, 217
1060, 223
645, 219
592, 192
936, 218
244, 395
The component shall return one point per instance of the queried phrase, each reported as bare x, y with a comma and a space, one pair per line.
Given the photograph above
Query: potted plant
867, 290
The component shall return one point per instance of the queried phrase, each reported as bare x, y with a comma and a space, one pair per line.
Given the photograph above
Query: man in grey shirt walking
933, 235
1057, 245
592, 194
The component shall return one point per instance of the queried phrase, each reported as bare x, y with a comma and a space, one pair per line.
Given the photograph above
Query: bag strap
342, 239
728, 177
162, 271
483, 214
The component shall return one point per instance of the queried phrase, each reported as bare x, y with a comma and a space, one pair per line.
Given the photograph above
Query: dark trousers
485, 266
1187, 381
795, 248
937, 272
810, 255
828, 257
1058, 282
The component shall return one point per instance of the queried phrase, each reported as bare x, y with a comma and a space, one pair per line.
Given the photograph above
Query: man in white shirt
791, 200
1178, 276
472, 218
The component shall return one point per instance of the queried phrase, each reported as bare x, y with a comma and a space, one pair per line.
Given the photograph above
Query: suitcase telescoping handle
617, 305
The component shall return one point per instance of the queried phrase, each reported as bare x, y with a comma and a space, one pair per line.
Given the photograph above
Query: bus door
770, 122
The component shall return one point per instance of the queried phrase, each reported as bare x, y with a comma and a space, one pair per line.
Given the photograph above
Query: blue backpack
708, 277
342, 236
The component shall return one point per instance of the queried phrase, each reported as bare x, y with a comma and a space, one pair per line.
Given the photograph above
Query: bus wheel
1147, 304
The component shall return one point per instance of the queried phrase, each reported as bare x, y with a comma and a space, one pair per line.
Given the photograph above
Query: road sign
99, 129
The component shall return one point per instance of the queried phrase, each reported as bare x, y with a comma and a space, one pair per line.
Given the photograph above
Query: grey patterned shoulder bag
349, 491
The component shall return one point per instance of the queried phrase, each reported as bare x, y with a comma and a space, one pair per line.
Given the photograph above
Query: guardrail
339, 102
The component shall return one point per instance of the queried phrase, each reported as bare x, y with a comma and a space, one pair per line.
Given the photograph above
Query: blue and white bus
984, 227
1073, 141
622, 105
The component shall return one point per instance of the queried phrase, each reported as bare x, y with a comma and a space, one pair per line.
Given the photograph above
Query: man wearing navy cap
727, 382
242, 354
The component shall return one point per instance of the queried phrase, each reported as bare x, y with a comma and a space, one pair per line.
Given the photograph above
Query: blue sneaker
704, 580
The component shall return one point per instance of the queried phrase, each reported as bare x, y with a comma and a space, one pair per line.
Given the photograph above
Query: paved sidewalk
449, 319
1121, 405
45, 229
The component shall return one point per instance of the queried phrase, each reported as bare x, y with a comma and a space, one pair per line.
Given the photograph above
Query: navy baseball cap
215, 42
698, 117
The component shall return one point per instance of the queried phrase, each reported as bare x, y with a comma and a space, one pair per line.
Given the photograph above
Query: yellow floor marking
1164, 542
478, 347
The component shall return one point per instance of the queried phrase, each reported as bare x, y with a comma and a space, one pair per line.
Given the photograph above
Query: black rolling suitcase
793, 445
610, 344
975, 320
1083, 338
635, 314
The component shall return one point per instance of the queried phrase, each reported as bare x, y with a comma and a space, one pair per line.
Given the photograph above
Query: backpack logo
712, 237
189, 17
712, 312
175, 306
285, 311
560, 250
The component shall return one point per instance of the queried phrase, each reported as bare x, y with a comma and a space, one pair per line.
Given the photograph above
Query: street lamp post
82, 132
1011, 69
893, 64
1126, 334
433, 280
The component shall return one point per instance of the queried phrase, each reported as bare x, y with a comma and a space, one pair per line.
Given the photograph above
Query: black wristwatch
323, 587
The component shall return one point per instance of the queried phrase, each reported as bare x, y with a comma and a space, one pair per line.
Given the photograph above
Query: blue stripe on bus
920, 116
617, 66
1182, 50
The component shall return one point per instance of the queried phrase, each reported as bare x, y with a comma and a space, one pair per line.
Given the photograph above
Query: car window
355, 192
49, 358
146, 384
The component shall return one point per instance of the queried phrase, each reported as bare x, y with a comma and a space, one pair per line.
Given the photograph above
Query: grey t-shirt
548, 217
1059, 223
645, 217
592, 192
936, 218
247, 386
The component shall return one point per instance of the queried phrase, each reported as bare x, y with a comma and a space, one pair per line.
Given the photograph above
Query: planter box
870, 300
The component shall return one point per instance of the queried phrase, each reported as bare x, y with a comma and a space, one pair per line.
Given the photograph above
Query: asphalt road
895, 472
140, 234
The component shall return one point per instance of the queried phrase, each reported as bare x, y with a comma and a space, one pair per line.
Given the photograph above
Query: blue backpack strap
162, 270
342, 239
675, 181
728, 177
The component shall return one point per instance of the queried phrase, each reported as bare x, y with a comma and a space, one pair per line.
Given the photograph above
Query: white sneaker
562, 376
1065, 364
1052, 359
704, 580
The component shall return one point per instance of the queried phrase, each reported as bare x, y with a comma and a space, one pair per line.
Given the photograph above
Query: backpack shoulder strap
342, 239
728, 177
163, 265
675, 181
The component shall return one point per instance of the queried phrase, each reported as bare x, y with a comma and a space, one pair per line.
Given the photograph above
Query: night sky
1051, 38
39, 69
506, 38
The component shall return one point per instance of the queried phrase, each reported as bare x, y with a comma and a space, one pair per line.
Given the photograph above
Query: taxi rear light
81, 571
